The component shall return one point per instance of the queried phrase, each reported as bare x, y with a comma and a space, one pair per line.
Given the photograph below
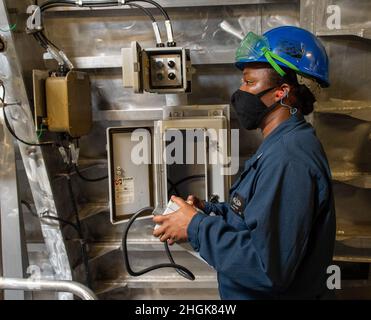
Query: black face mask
250, 109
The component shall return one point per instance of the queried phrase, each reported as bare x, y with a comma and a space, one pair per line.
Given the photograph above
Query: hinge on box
215, 113
176, 114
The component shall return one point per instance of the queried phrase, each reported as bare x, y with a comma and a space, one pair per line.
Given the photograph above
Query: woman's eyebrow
248, 75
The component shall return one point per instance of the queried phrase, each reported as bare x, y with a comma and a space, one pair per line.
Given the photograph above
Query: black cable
46, 44
45, 216
81, 235
184, 271
61, 220
196, 176
76, 226
40, 41
173, 186
50, 4
44, 41
21, 140
47, 41
28, 206
179, 271
82, 177
145, 10
53, 4
77, 229
12, 131
74, 205
163, 11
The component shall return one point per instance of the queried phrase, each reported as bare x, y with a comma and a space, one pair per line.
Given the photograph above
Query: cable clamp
170, 36
79, 3
157, 33
74, 153
64, 155
122, 2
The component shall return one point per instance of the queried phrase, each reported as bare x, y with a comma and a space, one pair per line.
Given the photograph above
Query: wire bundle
42, 39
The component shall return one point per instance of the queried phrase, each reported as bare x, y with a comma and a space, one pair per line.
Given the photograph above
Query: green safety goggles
253, 47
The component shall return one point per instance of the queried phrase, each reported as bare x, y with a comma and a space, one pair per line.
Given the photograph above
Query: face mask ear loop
293, 110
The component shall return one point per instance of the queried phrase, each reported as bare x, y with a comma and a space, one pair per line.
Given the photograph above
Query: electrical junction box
213, 182
67, 103
152, 180
130, 181
164, 70
39, 78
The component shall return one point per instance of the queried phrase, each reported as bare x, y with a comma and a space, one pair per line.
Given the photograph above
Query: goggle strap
270, 56
274, 64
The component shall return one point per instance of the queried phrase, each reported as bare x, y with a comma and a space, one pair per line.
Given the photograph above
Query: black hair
304, 97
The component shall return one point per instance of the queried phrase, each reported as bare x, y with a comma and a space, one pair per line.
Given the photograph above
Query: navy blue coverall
275, 237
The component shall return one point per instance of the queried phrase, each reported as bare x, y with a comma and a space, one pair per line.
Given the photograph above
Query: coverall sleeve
219, 209
278, 221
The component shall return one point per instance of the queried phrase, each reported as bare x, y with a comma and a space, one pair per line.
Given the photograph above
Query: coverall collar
277, 133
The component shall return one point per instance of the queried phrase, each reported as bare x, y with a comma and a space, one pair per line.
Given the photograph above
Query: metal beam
364, 33
14, 253
112, 62
183, 4
127, 115
21, 118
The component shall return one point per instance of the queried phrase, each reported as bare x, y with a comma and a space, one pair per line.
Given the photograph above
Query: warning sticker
124, 190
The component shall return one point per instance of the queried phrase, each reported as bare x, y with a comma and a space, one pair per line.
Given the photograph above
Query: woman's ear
282, 92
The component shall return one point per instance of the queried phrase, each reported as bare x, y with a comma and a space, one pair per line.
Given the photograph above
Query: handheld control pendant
171, 207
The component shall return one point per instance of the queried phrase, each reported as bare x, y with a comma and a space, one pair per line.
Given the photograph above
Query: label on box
124, 190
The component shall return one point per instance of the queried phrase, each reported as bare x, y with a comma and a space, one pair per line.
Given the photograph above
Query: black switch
159, 65
171, 64
172, 76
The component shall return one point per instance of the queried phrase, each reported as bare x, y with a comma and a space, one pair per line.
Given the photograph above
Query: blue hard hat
289, 47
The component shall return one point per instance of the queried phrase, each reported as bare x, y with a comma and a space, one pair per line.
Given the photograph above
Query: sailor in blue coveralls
274, 238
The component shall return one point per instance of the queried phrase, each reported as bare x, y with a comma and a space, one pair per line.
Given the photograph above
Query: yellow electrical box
68, 104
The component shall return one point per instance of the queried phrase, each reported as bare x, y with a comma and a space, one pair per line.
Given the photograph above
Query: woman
274, 239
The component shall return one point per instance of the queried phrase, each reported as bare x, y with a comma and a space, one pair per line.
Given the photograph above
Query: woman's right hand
196, 202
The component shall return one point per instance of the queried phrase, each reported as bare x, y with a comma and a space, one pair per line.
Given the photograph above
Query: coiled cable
183, 271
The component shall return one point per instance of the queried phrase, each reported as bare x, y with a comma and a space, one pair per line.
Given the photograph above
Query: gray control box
130, 179
158, 70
